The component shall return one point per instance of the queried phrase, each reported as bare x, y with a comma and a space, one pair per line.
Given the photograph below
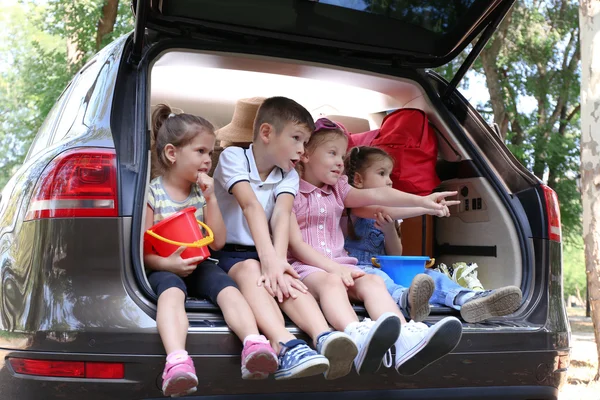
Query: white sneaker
373, 339
420, 345
340, 350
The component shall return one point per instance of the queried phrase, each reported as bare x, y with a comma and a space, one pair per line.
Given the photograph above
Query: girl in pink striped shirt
318, 255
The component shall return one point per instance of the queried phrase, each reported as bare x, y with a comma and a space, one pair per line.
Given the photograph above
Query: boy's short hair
279, 111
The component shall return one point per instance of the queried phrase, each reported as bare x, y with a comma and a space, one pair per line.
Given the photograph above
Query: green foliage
27, 87
574, 277
35, 65
539, 76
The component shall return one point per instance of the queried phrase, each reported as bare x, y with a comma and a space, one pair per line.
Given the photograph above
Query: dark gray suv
76, 311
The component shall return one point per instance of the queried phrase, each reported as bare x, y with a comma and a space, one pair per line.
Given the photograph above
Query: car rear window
439, 16
430, 29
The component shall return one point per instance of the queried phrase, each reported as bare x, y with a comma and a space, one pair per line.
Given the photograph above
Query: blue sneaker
297, 360
340, 350
414, 302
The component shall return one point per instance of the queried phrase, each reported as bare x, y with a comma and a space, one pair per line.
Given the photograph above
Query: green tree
26, 90
46, 44
533, 59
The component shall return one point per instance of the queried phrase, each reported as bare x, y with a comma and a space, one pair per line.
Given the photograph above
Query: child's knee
247, 269
162, 281
229, 292
172, 293
333, 281
230, 295
372, 282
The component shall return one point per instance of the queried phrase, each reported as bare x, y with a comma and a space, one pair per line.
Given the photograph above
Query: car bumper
503, 375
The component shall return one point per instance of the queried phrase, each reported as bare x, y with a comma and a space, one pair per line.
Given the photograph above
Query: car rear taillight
68, 369
552, 214
77, 183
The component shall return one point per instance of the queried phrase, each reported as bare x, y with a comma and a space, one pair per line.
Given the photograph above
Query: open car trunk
487, 228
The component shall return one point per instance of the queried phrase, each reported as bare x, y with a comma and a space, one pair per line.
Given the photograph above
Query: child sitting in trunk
183, 146
318, 256
370, 168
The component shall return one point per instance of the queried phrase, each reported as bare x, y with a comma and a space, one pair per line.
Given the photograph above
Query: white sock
255, 338
350, 327
177, 355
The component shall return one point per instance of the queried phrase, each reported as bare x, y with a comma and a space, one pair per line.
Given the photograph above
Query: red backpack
409, 138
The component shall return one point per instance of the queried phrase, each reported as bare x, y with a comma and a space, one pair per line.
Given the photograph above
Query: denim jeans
444, 293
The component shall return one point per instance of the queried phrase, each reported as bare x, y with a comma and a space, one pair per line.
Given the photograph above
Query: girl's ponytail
159, 116
351, 162
158, 159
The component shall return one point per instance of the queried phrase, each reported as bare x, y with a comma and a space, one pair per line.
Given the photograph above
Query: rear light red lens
68, 369
77, 183
552, 214
71, 369
102, 370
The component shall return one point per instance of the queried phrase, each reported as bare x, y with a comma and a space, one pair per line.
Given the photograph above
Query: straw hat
239, 130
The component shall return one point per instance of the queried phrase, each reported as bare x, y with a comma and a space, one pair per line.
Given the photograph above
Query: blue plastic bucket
402, 269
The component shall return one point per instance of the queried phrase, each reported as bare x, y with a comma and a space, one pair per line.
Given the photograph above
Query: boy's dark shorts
233, 254
207, 281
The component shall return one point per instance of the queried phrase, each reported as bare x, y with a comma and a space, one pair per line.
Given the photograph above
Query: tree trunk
589, 22
74, 53
107, 21
493, 77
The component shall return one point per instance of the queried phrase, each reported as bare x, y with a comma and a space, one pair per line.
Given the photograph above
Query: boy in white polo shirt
256, 189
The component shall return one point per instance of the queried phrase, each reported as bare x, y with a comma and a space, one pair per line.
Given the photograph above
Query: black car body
77, 316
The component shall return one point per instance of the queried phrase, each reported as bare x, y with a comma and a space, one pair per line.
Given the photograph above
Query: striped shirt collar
307, 188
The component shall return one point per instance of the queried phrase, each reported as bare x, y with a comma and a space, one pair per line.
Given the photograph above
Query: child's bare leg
171, 319
372, 338
306, 314
237, 312
258, 358
371, 290
179, 375
268, 315
339, 348
329, 290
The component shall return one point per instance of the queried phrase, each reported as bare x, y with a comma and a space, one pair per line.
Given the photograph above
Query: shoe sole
341, 351
180, 385
382, 336
421, 290
259, 366
502, 302
442, 338
315, 365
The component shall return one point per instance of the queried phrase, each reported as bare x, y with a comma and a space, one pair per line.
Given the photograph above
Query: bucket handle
198, 243
428, 264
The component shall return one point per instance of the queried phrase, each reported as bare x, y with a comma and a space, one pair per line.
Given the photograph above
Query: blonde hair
317, 139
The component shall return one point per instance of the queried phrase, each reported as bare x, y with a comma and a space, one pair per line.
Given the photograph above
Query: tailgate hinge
140, 10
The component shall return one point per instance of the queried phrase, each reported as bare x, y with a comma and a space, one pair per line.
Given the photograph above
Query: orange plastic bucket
180, 229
